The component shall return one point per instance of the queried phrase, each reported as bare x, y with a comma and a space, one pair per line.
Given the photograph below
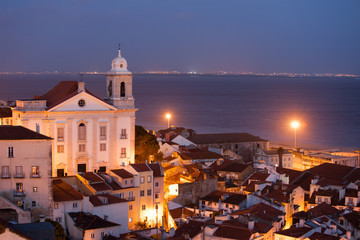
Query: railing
35, 175
19, 175
19, 193
60, 139
5, 175
130, 198
124, 136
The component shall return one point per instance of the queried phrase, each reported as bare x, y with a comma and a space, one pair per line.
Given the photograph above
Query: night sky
307, 36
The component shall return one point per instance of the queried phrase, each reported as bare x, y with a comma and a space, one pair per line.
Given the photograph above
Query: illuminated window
56, 205
35, 189
143, 207
35, 171
130, 220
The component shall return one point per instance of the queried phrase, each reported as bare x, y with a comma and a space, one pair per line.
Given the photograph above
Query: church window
60, 134
60, 148
122, 89
81, 147
81, 103
123, 134
102, 146
110, 89
82, 131
103, 132
123, 153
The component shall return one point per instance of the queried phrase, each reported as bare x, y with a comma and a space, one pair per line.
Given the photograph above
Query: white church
90, 133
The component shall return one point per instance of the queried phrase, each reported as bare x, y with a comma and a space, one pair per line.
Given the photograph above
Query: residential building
26, 163
271, 157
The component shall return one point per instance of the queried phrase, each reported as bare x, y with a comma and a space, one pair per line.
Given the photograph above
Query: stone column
70, 165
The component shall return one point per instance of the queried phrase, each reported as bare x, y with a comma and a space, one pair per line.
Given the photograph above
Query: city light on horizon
295, 125
168, 116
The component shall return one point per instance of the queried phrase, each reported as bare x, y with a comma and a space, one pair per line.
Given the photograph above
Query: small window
102, 234
56, 205
35, 189
130, 207
75, 205
102, 146
143, 207
149, 192
33, 203
102, 169
130, 220
122, 89
142, 179
93, 235
60, 148
35, 171
142, 193
156, 184
156, 195
125, 182
149, 179
123, 153
82, 147
102, 132
81, 103
123, 134
82, 131
58, 219
11, 152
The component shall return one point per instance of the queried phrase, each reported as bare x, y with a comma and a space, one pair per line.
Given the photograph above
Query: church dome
119, 65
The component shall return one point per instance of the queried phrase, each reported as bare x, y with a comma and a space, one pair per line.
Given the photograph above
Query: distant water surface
328, 108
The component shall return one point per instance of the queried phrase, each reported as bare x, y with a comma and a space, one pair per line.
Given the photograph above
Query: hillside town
71, 169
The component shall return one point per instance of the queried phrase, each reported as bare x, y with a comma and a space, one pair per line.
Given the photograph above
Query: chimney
348, 234
81, 87
251, 223
42, 218
301, 222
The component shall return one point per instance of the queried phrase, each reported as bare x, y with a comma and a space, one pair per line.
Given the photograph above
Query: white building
271, 157
90, 134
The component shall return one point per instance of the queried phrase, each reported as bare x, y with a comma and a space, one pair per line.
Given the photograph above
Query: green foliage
145, 146
140, 225
59, 231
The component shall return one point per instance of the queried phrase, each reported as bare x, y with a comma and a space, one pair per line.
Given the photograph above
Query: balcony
124, 136
5, 175
35, 175
130, 198
19, 175
18, 193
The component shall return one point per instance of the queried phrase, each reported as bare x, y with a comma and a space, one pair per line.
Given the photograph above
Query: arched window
122, 90
82, 131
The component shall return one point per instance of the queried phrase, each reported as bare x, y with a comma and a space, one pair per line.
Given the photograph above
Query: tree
141, 225
145, 146
59, 230
280, 152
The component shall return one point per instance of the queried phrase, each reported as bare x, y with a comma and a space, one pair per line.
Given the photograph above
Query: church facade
90, 133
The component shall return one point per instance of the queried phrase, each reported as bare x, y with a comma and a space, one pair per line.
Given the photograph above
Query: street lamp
295, 125
168, 116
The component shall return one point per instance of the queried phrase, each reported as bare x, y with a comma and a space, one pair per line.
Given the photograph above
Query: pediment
82, 101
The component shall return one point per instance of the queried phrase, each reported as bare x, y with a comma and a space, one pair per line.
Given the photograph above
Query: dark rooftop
19, 133
64, 192
224, 138
122, 173
87, 221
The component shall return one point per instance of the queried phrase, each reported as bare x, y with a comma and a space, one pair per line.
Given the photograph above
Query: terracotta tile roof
199, 155
215, 196
215, 167
88, 221
350, 192
157, 169
122, 173
91, 177
259, 176
303, 180
192, 228
5, 112
322, 236
63, 91
235, 167
354, 218
181, 212
259, 227
97, 200
235, 199
291, 173
19, 133
101, 186
261, 211
140, 167
224, 138
295, 232
233, 232
322, 209
335, 171
64, 192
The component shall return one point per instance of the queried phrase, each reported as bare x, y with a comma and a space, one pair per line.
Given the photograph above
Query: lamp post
168, 116
295, 125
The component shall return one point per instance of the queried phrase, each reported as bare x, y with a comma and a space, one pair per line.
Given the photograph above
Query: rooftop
64, 192
140, 167
20, 133
105, 199
122, 173
87, 221
224, 138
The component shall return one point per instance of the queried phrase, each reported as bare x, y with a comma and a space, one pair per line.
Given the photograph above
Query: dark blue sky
306, 36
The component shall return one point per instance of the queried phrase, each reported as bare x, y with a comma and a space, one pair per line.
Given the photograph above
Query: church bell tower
119, 84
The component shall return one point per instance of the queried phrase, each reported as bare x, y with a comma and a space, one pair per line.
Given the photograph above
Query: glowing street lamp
168, 116
295, 125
